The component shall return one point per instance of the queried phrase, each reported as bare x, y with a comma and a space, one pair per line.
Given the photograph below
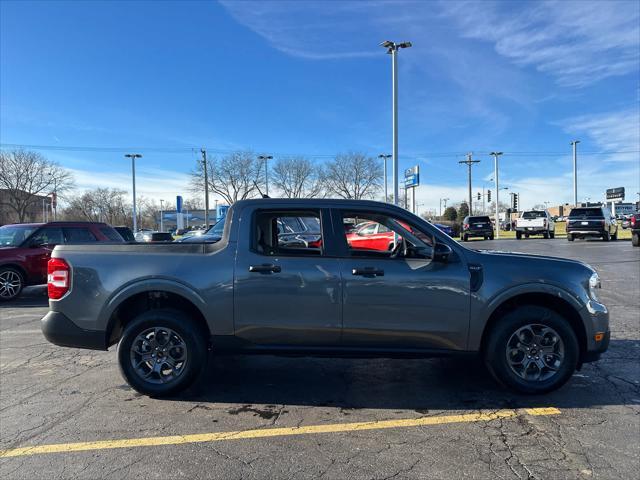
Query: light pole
392, 49
574, 144
133, 157
496, 155
384, 160
445, 200
266, 159
161, 215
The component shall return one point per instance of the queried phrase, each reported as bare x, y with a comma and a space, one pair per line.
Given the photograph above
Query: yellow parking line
268, 432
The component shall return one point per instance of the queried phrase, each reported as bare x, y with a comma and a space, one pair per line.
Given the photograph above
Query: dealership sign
615, 193
412, 177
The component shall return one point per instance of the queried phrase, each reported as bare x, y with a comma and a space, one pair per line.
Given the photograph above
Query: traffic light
479, 196
515, 201
489, 196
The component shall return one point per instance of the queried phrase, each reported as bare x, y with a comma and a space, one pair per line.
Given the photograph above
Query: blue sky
309, 78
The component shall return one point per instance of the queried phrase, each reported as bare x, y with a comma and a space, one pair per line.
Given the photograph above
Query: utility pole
392, 49
496, 155
469, 163
161, 214
574, 144
265, 159
206, 188
384, 160
133, 157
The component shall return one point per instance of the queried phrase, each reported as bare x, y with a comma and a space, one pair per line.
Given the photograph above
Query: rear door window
48, 236
79, 235
288, 232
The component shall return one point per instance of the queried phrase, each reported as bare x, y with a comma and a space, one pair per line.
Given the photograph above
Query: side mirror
37, 244
441, 252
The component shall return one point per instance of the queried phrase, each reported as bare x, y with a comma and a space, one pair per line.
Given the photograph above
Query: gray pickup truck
398, 289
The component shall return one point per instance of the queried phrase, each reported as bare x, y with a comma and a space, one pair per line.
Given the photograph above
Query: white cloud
611, 131
577, 42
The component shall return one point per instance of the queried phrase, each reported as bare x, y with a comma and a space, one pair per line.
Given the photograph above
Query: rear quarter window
111, 234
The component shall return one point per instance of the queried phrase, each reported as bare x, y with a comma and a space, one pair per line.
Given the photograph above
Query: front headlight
594, 284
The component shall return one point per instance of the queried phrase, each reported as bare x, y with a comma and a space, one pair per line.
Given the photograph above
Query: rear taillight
58, 278
633, 221
544, 222
466, 225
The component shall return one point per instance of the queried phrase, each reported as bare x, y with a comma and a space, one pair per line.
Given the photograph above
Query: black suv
477, 227
586, 222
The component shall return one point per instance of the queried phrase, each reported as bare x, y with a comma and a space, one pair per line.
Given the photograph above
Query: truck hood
541, 264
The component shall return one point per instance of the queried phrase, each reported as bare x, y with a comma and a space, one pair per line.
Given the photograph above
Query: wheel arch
557, 303
19, 268
130, 306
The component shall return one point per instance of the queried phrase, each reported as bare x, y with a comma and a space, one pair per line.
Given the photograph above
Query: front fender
483, 309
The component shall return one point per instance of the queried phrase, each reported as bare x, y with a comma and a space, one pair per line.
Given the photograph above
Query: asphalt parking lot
267, 417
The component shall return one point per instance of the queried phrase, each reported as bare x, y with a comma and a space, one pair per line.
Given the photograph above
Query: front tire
606, 237
635, 239
570, 237
162, 352
532, 350
11, 283
519, 235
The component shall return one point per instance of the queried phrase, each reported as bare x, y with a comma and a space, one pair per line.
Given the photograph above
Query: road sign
615, 193
179, 204
412, 177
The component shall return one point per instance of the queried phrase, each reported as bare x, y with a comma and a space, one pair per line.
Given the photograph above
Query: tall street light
266, 159
384, 160
133, 157
574, 144
161, 215
392, 49
495, 173
445, 200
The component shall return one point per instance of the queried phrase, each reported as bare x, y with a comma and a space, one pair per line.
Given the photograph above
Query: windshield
14, 235
586, 212
533, 215
217, 229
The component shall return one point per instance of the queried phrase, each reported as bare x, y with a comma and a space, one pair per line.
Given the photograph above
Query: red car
371, 236
26, 248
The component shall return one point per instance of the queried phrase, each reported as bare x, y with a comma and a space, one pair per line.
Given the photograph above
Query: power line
410, 156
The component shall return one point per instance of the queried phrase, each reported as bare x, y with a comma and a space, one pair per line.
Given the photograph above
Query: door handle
368, 271
265, 268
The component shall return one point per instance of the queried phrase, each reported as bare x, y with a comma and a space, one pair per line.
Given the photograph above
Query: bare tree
100, 205
353, 176
297, 177
194, 203
233, 177
25, 174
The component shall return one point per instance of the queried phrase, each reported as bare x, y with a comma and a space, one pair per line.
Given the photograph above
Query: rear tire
635, 239
11, 283
570, 237
606, 237
162, 352
465, 238
491, 237
614, 237
552, 344
545, 235
519, 235
552, 234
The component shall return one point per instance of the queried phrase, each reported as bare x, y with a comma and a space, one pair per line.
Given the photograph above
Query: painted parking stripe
270, 432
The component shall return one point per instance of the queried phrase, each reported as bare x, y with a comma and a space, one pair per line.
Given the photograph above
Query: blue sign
179, 204
412, 177
221, 212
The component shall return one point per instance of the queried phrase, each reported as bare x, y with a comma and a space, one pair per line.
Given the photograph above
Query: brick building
39, 207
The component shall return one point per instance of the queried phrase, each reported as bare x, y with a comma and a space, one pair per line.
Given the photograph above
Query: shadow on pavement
30, 297
421, 385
